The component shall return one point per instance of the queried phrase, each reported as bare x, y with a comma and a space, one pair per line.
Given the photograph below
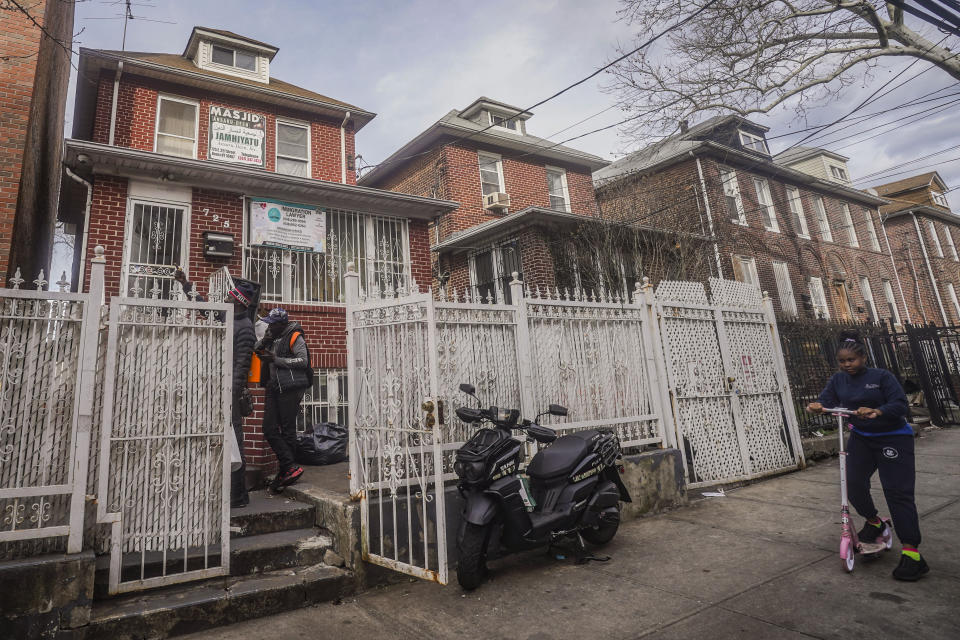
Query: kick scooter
849, 544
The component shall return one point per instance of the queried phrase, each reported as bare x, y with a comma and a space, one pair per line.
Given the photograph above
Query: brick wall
137, 115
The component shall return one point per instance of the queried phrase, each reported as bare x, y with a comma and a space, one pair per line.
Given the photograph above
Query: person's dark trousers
893, 457
238, 485
280, 413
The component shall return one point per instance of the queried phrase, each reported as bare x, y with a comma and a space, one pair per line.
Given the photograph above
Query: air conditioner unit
496, 201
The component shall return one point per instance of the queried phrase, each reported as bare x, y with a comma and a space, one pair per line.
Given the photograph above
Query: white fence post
351, 284
656, 369
524, 360
84, 398
780, 370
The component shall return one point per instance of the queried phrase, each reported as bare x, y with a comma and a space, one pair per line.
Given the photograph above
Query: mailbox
217, 245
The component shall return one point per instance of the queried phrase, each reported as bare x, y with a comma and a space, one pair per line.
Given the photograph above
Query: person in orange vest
286, 374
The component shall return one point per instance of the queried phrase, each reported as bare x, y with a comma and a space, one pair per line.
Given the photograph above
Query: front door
841, 300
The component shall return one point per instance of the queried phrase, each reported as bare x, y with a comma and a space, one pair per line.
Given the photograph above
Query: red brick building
515, 192
923, 235
208, 150
814, 242
34, 72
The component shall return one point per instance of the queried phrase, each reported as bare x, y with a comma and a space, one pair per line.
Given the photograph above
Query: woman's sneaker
872, 533
910, 569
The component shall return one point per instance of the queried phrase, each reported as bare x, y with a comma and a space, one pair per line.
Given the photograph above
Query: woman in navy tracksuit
881, 440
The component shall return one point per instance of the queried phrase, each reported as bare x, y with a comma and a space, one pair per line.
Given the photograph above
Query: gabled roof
911, 183
180, 70
454, 125
798, 154
197, 31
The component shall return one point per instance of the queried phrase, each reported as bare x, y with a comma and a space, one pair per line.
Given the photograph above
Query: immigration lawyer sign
298, 227
237, 136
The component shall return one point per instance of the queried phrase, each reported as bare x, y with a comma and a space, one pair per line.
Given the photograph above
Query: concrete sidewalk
759, 563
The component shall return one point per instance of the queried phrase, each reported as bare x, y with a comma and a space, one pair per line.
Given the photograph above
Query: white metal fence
128, 404
675, 368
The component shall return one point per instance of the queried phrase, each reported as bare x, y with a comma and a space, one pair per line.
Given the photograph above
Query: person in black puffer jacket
283, 351
244, 340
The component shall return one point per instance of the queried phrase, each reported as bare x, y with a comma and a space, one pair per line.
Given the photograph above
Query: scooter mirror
558, 410
468, 388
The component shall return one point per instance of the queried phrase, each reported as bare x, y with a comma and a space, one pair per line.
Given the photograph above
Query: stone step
269, 513
251, 554
182, 609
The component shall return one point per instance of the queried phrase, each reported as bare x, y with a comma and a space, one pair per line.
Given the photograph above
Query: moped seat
559, 458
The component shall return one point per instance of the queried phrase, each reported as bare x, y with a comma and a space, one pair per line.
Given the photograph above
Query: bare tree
749, 56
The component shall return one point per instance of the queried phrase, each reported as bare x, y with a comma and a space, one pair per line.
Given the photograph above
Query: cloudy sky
412, 61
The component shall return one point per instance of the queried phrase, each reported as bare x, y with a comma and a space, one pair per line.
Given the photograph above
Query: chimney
684, 126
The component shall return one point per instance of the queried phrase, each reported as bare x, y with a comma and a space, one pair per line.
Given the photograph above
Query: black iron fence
925, 359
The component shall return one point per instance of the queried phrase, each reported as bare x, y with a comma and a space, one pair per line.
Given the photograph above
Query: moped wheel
602, 533
847, 556
472, 550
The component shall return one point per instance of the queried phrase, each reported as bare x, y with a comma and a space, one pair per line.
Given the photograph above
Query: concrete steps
276, 564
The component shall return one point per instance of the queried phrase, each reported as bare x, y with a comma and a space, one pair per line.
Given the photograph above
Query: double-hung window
788, 303
234, 58
934, 238
822, 220
753, 142
950, 243
818, 298
868, 298
491, 272
176, 127
766, 205
557, 187
378, 247
796, 211
939, 198
745, 270
731, 194
491, 173
293, 149
891, 301
953, 299
871, 230
848, 225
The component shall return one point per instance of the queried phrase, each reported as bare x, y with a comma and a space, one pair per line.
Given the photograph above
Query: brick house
809, 238
34, 73
197, 151
923, 236
515, 191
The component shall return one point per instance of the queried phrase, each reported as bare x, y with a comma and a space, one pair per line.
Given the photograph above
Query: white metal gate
730, 396
164, 479
395, 443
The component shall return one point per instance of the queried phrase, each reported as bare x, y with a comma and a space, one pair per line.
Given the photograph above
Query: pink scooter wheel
847, 555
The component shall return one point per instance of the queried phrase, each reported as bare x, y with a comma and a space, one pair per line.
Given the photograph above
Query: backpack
310, 373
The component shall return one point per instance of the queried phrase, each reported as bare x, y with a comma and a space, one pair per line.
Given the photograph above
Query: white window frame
818, 298
788, 301
934, 237
496, 255
939, 198
731, 189
234, 67
950, 243
500, 127
796, 209
838, 173
852, 238
749, 140
125, 281
765, 200
953, 298
822, 220
748, 267
499, 164
276, 144
563, 183
871, 230
196, 123
891, 299
867, 292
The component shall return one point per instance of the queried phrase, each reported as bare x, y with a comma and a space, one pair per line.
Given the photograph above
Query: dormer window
234, 58
839, 173
503, 122
939, 198
753, 142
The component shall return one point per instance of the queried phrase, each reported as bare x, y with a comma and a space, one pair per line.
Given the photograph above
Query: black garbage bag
325, 443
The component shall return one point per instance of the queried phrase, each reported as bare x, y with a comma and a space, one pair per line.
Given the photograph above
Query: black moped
575, 488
